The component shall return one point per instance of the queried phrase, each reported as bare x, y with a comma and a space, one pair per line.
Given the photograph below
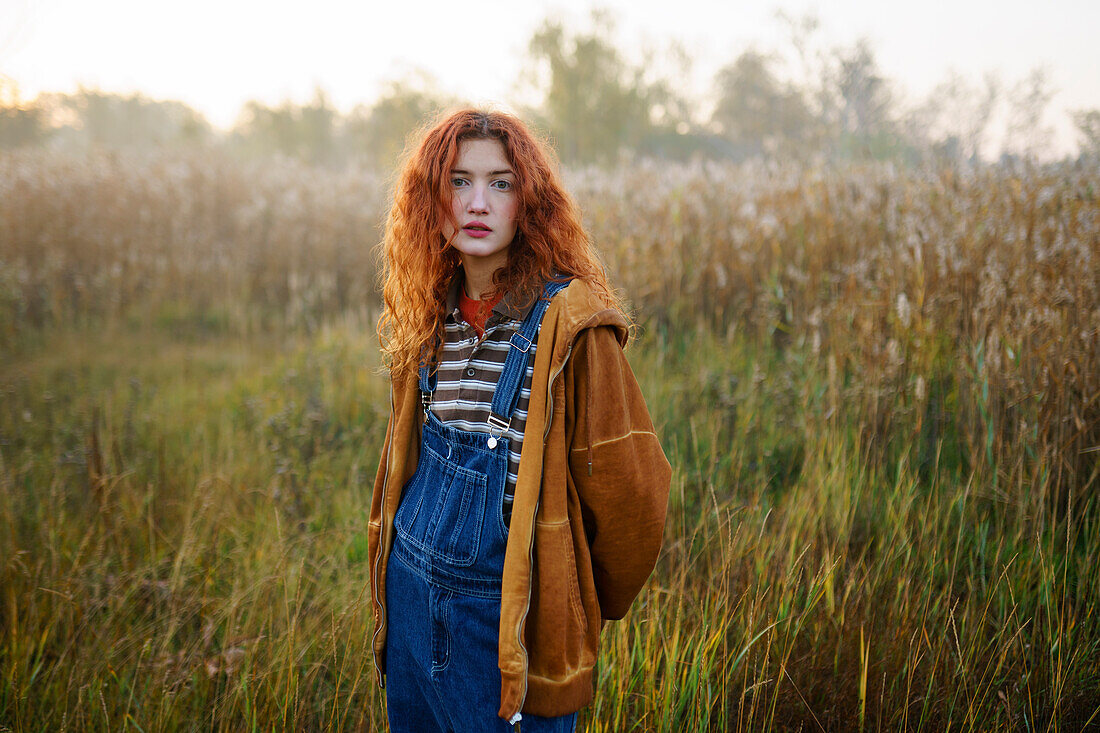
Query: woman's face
484, 203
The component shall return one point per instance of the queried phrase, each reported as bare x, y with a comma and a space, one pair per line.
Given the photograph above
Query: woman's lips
477, 230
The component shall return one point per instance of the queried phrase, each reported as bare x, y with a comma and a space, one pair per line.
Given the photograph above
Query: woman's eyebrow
505, 171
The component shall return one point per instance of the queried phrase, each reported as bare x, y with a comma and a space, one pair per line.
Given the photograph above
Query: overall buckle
500, 424
523, 347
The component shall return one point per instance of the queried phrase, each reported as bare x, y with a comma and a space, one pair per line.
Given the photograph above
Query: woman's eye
458, 182
502, 185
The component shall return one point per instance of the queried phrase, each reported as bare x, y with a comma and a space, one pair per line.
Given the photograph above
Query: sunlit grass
856, 596
186, 543
879, 391
184, 533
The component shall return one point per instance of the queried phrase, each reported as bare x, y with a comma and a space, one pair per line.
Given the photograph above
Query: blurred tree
953, 120
594, 103
1087, 122
263, 130
836, 103
757, 114
802, 32
1025, 133
672, 131
862, 103
307, 132
22, 125
95, 118
113, 120
317, 123
380, 131
21, 122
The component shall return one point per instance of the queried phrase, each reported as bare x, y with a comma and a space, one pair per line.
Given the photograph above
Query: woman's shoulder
579, 307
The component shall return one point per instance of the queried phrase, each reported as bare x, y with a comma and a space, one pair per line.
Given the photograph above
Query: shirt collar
512, 305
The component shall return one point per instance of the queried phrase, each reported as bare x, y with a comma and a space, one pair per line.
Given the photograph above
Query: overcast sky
215, 54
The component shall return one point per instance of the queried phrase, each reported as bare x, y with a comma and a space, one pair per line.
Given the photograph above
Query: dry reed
879, 388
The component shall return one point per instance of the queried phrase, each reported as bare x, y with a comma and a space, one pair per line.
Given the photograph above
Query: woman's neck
478, 276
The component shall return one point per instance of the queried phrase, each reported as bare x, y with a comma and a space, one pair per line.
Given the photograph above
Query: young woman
520, 498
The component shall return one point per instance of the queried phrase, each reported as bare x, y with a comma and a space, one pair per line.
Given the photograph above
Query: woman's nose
477, 202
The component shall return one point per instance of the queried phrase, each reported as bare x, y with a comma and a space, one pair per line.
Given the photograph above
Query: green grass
183, 528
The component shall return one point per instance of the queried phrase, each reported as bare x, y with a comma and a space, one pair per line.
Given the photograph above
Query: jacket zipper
381, 545
523, 620
531, 545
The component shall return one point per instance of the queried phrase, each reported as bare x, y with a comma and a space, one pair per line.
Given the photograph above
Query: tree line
598, 106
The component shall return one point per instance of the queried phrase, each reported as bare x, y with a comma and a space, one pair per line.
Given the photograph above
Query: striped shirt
468, 372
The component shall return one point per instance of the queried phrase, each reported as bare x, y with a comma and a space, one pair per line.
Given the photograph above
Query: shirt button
470, 372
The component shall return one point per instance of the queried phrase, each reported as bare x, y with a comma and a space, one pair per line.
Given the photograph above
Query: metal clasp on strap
523, 344
426, 402
500, 425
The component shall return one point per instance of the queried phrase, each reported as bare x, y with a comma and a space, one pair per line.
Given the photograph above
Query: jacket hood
580, 308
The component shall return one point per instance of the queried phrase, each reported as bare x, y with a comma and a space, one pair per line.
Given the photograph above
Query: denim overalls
444, 576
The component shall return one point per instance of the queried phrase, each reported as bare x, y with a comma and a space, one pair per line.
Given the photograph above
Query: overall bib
444, 576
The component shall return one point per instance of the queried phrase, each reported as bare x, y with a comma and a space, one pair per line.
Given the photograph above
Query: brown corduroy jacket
588, 515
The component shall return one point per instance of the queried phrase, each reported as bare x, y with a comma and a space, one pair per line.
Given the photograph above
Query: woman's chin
480, 250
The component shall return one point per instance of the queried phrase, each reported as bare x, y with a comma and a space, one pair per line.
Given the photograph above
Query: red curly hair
419, 261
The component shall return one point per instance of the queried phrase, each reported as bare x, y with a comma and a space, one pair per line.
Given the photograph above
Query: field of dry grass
879, 389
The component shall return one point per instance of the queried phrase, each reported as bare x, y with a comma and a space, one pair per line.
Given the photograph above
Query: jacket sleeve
618, 468
374, 526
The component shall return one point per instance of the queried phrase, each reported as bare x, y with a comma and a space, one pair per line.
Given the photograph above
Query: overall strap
427, 387
507, 390
427, 380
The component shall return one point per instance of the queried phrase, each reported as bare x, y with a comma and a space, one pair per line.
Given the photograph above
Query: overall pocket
442, 509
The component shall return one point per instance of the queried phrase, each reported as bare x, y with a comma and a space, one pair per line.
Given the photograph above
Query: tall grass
184, 535
904, 282
879, 390
845, 594
204, 242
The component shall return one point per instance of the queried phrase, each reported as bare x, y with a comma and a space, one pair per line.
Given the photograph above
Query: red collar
476, 312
